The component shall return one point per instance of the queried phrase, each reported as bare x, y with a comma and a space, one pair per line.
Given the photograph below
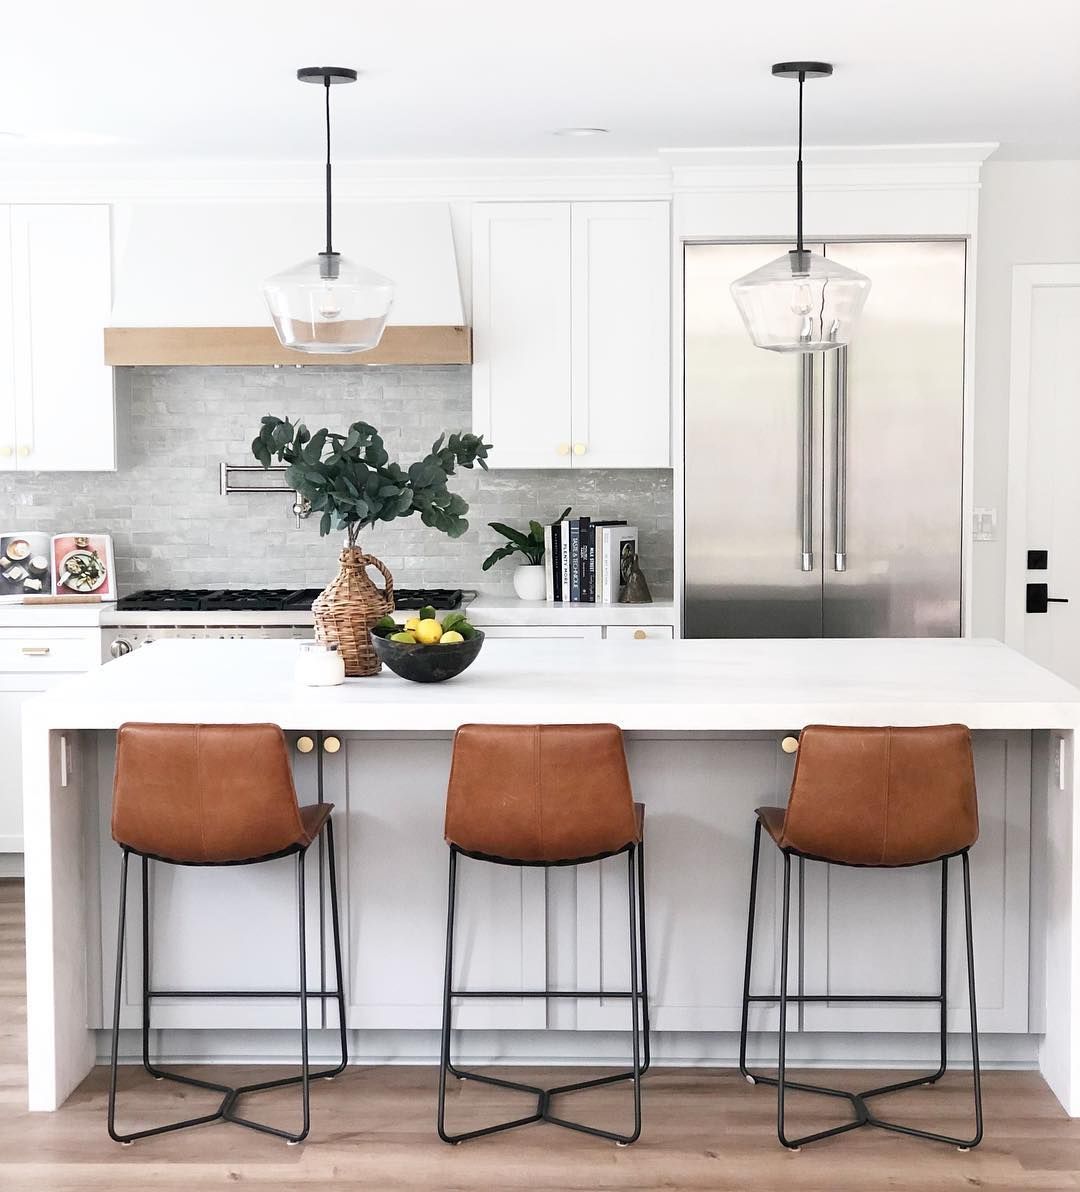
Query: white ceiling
125, 80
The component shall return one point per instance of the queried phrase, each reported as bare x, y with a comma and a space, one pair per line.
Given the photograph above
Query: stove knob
119, 648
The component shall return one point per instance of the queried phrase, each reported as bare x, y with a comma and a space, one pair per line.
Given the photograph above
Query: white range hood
188, 286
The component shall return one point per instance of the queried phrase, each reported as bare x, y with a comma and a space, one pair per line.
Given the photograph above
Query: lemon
404, 636
448, 639
412, 624
428, 631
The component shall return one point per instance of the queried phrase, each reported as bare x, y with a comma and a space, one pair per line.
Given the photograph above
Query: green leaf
506, 531
537, 532
502, 552
324, 524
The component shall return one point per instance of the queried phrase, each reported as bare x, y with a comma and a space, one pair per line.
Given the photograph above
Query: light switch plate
984, 525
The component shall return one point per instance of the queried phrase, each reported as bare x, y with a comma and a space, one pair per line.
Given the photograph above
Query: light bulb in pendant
801, 301
329, 304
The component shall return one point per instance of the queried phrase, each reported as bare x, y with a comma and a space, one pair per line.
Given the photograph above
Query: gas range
144, 617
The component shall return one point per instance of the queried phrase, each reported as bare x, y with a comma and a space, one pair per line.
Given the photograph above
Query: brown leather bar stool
547, 795
221, 794
876, 798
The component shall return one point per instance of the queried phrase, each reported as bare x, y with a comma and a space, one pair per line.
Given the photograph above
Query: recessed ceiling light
579, 132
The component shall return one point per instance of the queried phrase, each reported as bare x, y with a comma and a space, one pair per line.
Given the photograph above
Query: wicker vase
346, 610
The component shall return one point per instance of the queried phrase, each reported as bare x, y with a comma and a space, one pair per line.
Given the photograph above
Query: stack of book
588, 561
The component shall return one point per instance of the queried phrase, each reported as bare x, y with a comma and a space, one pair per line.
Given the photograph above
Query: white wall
1029, 213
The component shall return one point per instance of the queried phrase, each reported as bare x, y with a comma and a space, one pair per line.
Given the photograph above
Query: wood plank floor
374, 1128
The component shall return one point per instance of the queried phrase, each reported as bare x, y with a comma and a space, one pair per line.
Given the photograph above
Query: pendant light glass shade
328, 304
315, 312
801, 302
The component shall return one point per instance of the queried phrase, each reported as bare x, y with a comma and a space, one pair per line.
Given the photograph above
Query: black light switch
1037, 560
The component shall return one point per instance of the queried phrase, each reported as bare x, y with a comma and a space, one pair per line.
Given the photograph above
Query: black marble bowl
425, 664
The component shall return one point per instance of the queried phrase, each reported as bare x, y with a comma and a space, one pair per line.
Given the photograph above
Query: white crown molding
672, 171
829, 167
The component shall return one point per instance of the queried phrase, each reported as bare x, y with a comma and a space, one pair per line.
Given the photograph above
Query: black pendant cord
798, 178
329, 246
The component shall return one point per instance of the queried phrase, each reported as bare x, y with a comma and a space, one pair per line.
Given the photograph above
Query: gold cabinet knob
640, 635
332, 744
564, 448
6, 452
24, 451
790, 744
305, 744
579, 448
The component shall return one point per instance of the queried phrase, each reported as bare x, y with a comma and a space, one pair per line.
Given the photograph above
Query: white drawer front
45, 650
640, 633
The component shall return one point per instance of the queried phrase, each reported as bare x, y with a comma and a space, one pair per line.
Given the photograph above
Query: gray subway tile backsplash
172, 528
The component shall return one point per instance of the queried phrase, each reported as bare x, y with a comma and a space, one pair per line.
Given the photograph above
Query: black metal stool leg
646, 1029
544, 1097
749, 956
338, 967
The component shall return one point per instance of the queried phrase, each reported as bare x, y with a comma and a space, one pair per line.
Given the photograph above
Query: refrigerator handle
807, 511
840, 457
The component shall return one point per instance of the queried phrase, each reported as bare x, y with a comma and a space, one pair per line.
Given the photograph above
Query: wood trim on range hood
260, 345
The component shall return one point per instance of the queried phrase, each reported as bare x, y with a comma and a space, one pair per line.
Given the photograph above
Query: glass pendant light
801, 302
327, 303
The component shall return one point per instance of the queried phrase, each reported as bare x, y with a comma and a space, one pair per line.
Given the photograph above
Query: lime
403, 636
386, 622
427, 613
465, 629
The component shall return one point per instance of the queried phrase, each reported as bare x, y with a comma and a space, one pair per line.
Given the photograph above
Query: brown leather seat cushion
540, 793
879, 796
208, 793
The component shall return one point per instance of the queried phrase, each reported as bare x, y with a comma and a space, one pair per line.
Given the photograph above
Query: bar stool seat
873, 798
216, 795
546, 795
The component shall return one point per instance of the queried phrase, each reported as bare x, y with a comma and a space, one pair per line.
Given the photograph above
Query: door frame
1026, 279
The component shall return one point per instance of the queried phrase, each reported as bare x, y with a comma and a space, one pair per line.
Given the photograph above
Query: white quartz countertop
676, 686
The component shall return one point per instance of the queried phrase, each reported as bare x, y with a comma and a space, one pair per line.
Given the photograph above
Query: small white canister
319, 665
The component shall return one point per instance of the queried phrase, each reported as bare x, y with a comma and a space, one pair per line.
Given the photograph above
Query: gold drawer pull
332, 744
37, 651
640, 635
305, 744
790, 744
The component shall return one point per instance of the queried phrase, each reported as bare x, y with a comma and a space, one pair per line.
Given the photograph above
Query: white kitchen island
704, 722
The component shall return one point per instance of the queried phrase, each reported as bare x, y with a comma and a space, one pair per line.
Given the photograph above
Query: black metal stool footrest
544, 1098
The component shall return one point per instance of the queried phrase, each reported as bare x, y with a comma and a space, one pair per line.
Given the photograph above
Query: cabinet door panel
699, 835
61, 271
876, 931
576, 632
521, 332
7, 362
620, 340
397, 875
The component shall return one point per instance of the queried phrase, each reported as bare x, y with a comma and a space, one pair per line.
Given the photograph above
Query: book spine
564, 557
627, 548
583, 559
598, 542
555, 561
575, 559
549, 573
592, 564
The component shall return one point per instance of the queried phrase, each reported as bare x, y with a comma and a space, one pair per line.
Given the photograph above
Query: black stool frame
638, 995
227, 1111
863, 1116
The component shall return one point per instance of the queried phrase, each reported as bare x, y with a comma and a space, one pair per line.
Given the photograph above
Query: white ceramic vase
529, 581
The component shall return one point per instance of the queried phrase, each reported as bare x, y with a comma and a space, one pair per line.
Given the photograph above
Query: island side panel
1059, 1053
59, 780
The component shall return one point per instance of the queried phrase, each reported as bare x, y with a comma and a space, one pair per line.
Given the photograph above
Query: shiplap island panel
704, 721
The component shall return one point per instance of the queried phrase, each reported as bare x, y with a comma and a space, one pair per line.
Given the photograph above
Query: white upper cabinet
56, 392
620, 344
521, 332
571, 334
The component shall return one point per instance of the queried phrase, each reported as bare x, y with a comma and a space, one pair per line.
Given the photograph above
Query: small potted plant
529, 579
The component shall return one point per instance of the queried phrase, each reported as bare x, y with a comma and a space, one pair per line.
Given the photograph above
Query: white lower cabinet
576, 632
861, 931
31, 661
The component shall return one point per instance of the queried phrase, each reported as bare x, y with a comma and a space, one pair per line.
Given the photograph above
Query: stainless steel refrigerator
823, 492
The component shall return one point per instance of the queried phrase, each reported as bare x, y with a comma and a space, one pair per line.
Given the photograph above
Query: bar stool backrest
882, 796
204, 793
540, 793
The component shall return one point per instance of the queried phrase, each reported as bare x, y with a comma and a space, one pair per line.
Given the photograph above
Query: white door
61, 287
521, 332
7, 364
620, 338
1044, 479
